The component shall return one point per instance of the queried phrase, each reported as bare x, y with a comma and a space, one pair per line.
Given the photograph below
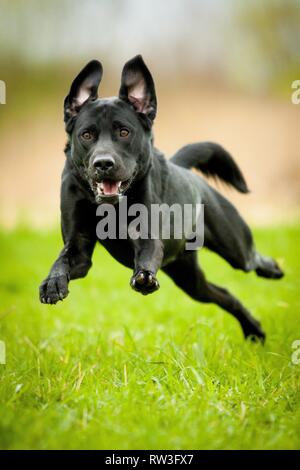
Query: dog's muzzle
106, 187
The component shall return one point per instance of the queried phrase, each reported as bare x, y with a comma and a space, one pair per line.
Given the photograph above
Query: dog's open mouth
109, 188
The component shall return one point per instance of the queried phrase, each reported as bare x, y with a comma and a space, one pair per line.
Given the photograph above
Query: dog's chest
121, 250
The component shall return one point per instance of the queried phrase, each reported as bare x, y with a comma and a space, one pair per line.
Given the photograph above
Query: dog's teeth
99, 188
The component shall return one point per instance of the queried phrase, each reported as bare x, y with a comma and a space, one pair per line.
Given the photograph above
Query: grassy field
108, 368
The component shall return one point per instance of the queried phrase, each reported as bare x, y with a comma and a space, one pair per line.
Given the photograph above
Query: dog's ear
84, 88
137, 87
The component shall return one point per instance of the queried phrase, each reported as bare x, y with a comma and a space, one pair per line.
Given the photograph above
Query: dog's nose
104, 163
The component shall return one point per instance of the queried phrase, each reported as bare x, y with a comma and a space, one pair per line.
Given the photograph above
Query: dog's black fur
110, 141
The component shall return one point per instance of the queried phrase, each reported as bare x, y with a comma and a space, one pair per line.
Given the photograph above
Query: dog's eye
124, 132
87, 135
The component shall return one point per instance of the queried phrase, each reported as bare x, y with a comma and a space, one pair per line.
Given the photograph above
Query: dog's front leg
73, 262
148, 256
79, 236
55, 286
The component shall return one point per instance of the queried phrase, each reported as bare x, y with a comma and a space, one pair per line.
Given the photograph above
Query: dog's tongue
110, 187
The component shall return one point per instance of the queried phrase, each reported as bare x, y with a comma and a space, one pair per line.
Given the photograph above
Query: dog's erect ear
137, 87
83, 88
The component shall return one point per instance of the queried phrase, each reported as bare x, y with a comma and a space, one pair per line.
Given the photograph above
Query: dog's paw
53, 289
144, 282
270, 269
255, 333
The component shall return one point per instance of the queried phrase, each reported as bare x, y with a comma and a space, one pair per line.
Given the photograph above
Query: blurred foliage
272, 30
248, 44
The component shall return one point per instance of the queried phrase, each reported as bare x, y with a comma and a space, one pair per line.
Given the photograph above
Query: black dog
109, 153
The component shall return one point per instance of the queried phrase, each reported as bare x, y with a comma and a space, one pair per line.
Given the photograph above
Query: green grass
109, 368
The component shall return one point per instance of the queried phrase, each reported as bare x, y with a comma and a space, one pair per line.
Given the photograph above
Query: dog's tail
213, 161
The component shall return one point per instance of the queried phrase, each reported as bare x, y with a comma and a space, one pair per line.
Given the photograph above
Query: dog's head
110, 138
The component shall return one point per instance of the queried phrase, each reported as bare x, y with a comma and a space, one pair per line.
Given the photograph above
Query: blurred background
223, 71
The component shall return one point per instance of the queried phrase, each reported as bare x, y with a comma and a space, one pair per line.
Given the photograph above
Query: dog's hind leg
266, 266
228, 235
187, 275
